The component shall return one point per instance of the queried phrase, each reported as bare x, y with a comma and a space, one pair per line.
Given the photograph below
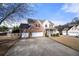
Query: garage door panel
25, 35
37, 34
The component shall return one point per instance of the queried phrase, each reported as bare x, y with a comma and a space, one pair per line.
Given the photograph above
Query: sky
58, 13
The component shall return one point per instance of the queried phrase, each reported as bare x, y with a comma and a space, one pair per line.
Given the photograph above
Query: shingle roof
35, 20
41, 21
51, 23
24, 26
66, 29
31, 27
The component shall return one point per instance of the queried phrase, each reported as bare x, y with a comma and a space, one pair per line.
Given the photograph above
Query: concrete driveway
40, 46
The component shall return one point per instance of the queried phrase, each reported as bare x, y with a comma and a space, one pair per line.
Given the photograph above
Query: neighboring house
65, 30
32, 29
3, 30
7, 32
71, 31
74, 31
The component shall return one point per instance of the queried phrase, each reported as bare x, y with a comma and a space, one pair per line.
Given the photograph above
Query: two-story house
37, 28
74, 31
31, 29
71, 31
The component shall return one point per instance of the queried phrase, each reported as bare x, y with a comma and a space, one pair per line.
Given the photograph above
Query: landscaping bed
71, 42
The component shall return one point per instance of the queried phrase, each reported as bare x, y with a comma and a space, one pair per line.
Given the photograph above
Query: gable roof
78, 26
75, 27
24, 26
42, 21
66, 29
31, 21
51, 23
31, 27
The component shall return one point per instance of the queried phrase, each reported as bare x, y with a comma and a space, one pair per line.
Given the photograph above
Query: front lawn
6, 42
71, 42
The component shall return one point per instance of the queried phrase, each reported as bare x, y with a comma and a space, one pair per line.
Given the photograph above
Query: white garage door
25, 35
64, 33
37, 34
73, 33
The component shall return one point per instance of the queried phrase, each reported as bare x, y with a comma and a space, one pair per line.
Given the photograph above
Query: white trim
25, 35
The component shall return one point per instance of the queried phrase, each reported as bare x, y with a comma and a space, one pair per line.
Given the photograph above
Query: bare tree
13, 11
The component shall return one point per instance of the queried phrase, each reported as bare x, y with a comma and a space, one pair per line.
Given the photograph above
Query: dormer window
45, 25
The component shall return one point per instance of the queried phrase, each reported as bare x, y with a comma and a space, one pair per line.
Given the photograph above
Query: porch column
49, 33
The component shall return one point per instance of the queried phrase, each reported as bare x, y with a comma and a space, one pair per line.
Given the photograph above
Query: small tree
15, 29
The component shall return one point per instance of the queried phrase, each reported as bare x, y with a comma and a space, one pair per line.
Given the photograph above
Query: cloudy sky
58, 13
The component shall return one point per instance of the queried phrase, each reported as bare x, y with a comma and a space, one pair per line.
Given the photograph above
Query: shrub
46, 35
16, 30
51, 34
55, 35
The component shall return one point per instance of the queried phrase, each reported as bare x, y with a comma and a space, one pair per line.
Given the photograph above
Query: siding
34, 34
37, 34
64, 32
25, 35
73, 33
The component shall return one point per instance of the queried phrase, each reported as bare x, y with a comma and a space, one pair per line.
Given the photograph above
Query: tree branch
12, 12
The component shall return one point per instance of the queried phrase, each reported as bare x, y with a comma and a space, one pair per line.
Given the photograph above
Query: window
37, 25
45, 25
